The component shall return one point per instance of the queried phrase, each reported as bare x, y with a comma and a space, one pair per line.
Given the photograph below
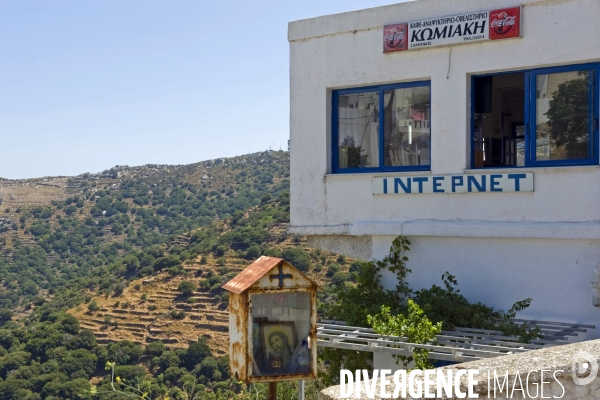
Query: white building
496, 141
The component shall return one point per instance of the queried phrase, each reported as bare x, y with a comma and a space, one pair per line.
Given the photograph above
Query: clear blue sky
86, 85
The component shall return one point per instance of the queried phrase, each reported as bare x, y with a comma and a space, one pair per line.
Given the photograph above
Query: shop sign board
464, 28
460, 183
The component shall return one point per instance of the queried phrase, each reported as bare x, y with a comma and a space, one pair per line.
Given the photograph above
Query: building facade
471, 127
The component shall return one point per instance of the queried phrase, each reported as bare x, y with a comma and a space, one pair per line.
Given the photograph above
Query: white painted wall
502, 247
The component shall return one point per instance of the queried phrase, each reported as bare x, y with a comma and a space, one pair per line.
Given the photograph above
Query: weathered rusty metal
272, 391
259, 269
257, 279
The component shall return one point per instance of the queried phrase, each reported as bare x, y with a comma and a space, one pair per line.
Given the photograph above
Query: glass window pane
280, 333
563, 115
358, 130
407, 134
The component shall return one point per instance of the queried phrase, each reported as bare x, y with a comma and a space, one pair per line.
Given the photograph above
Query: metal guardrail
459, 345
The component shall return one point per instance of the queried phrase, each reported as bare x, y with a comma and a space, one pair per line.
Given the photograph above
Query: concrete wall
523, 371
502, 247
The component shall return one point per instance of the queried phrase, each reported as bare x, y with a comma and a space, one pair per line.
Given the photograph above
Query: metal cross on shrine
281, 276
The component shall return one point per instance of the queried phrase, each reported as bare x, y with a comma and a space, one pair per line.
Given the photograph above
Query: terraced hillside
61, 237
142, 313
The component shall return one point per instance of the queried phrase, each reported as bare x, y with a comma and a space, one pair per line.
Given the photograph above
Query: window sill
376, 174
572, 168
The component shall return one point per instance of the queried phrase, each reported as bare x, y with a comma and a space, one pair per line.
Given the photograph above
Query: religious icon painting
278, 345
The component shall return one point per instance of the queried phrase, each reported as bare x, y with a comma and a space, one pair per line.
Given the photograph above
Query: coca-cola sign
505, 23
395, 37
464, 28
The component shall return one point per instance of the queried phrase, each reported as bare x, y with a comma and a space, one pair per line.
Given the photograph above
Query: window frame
530, 117
381, 129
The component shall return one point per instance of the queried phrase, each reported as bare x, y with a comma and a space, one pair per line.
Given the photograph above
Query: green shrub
175, 314
186, 288
93, 306
221, 261
332, 269
338, 278
155, 348
299, 258
204, 284
253, 252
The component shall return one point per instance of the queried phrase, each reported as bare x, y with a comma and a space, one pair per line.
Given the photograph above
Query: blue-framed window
382, 128
536, 118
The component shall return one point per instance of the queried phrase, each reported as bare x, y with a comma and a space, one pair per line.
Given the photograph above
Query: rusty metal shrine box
272, 323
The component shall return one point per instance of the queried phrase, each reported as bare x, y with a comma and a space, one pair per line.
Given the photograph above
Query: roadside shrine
272, 323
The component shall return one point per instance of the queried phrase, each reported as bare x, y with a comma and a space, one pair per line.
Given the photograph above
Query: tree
186, 288
5, 315
196, 353
93, 306
568, 118
155, 348
298, 258
125, 352
131, 262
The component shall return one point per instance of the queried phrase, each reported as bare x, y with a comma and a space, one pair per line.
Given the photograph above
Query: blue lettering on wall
420, 180
494, 183
398, 182
457, 181
517, 177
473, 180
437, 183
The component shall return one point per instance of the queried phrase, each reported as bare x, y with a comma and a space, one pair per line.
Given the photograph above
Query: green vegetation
186, 288
149, 220
417, 315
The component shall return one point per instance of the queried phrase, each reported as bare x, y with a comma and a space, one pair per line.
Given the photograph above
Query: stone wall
557, 364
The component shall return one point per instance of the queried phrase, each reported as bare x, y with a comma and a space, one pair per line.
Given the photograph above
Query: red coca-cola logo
395, 37
505, 23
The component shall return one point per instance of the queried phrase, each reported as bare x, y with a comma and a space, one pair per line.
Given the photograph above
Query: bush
176, 270
137, 286
203, 260
338, 278
298, 258
204, 284
221, 261
341, 259
273, 253
125, 352
155, 349
5, 315
93, 306
356, 266
253, 252
186, 288
177, 314
332, 269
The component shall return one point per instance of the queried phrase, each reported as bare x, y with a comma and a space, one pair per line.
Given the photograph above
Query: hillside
91, 268
143, 312
61, 237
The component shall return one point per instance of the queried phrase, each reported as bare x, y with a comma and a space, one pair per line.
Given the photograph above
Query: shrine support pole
272, 391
